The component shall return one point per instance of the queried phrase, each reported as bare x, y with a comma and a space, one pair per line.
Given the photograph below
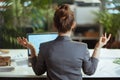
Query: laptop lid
37, 38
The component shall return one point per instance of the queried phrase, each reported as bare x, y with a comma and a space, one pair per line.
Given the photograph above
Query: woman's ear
73, 25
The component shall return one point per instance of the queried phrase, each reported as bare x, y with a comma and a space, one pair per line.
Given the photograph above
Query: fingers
19, 39
22, 40
105, 35
109, 37
104, 38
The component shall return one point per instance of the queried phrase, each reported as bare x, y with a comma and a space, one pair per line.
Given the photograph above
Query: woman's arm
38, 63
102, 41
90, 63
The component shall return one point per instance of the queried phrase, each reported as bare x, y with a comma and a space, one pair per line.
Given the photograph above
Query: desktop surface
106, 68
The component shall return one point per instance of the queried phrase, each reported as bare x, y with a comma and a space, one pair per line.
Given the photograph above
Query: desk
21, 72
106, 68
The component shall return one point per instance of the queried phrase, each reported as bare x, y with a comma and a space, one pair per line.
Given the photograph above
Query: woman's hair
63, 18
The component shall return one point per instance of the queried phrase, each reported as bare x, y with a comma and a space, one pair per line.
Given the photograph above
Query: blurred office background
93, 17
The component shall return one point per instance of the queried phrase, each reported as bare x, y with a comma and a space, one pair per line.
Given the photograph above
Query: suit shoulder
79, 43
46, 43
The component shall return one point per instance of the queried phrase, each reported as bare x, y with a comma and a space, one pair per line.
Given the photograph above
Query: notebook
37, 39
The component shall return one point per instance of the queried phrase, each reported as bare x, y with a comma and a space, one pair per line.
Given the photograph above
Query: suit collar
63, 38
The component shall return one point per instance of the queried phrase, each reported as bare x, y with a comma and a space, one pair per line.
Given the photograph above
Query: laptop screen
37, 39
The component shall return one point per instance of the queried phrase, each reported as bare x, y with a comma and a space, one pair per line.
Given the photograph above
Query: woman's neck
65, 34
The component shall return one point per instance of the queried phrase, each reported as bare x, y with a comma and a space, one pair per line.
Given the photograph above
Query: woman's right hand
24, 42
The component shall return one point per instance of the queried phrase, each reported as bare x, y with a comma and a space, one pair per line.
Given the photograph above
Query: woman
63, 58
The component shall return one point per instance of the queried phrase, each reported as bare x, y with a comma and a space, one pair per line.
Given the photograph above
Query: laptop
38, 38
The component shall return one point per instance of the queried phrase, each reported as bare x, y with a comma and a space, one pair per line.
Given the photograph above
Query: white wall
84, 15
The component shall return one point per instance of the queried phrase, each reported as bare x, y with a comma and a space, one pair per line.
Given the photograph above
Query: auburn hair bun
63, 18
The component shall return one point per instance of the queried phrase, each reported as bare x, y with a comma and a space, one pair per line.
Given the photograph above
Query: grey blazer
63, 59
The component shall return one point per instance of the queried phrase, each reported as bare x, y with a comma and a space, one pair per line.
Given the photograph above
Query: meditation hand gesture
24, 42
103, 40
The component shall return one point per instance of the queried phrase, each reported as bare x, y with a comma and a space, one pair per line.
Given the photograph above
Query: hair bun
63, 18
65, 6
64, 11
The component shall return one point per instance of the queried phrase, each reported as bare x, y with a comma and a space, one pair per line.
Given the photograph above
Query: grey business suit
63, 59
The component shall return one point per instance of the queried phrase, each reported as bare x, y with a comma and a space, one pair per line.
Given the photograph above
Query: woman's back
64, 58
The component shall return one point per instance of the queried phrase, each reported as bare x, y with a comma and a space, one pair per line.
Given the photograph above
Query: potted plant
110, 24
9, 31
17, 17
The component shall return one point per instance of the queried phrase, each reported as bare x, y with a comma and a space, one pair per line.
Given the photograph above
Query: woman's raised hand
24, 42
103, 40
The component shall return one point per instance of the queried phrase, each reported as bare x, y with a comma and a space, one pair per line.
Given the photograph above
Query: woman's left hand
103, 40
